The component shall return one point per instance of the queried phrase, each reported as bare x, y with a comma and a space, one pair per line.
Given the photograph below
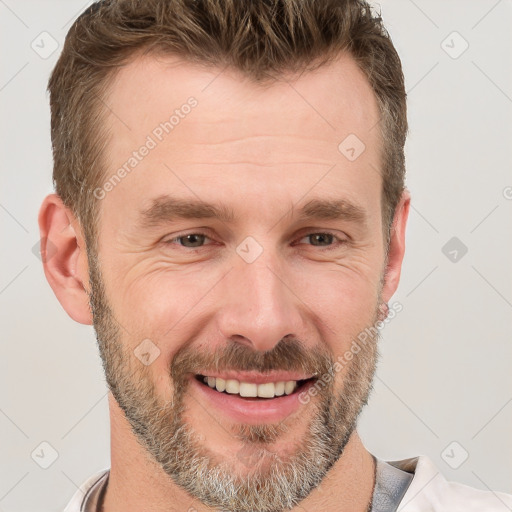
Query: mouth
251, 391
255, 398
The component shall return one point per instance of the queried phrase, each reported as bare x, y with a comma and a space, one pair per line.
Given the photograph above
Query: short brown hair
261, 38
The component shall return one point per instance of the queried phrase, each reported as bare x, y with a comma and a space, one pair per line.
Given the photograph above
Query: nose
258, 305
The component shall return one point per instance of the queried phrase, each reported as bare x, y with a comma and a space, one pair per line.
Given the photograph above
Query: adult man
269, 136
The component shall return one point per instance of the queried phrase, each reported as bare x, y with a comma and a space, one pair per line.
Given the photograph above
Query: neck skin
136, 483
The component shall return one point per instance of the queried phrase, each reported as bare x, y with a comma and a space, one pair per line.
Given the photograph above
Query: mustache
290, 354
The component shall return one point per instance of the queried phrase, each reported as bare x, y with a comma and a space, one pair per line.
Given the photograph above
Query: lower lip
252, 411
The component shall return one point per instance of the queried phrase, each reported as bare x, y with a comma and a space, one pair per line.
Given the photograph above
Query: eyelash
337, 239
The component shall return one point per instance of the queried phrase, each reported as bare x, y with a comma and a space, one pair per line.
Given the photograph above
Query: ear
64, 257
396, 247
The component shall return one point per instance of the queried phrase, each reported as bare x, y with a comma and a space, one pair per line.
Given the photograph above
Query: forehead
280, 137
332, 98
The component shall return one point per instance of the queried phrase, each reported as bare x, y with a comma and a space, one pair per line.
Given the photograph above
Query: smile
251, 397
251, 389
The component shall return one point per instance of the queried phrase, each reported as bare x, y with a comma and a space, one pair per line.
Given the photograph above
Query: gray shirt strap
391, 484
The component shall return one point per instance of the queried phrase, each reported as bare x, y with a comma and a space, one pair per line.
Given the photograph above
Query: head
230, 198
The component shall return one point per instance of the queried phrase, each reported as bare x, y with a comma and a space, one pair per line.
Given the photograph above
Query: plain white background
443, 387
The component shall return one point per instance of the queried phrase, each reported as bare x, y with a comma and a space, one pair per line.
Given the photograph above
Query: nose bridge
257, 303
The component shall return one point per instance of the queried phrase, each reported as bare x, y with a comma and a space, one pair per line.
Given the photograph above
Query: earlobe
396, 247
64, 257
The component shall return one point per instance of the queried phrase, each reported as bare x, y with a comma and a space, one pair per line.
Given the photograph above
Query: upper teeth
248, 389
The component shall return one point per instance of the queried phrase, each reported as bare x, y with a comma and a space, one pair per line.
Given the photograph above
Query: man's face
274, 293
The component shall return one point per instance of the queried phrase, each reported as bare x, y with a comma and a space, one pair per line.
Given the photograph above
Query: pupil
198, 238
320, 236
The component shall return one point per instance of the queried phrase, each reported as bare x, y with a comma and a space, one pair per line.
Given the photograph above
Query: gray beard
272, 482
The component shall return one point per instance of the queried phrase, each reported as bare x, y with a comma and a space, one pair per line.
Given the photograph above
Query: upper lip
258, 378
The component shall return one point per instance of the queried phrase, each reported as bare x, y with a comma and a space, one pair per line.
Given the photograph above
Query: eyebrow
333, 209
166, 209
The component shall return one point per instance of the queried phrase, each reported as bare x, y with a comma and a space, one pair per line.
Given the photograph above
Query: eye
324, 239
189, 241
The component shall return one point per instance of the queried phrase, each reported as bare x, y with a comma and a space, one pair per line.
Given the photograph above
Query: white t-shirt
427, 491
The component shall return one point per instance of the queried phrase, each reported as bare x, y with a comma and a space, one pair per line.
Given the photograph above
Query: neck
137, 483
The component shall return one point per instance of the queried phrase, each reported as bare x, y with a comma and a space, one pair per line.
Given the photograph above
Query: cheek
344, 303
165, 307
153, 298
